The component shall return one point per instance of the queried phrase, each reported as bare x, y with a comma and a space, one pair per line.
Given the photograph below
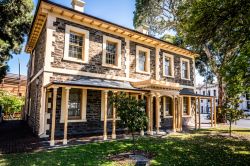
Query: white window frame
188, 68
165, 55
119, 54
83, 107
139, 48
85, 50
164, 107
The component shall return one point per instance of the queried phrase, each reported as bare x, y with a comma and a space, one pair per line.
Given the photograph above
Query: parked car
247, 112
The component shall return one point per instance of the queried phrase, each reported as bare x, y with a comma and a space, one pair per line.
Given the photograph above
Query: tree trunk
221, 117
230, 128
133, 137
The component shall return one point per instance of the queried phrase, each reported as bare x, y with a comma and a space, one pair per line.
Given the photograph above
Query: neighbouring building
14, 84
212, 90
76, 59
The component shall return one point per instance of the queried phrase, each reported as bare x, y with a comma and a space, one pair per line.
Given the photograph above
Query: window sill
142, 72
168, 76
110, 119
187, 79
74, 120
168, 116
186, 116
111, 66
74, 60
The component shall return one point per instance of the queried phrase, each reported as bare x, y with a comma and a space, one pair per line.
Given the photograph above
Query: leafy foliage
11, 104
217, 29
15, 21
131, 112
232, 112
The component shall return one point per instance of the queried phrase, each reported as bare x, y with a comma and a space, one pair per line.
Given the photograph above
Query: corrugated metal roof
98, 82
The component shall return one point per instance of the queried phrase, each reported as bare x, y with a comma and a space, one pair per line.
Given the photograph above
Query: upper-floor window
142, 60
185, 69
168, 65
76, 46
111, 52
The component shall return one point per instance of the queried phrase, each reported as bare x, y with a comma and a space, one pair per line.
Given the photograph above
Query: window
76, 106
167, 106
142, 60
214, 92
185, 105
204, 93
111, 52
202, 111
248, 104
208, 92
201, 101
110, 108
168, 65
76, 46
248, 96
185, 71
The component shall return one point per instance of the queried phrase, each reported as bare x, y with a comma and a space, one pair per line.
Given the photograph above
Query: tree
15, 21
131, 113
232, 111
210, 28
11, 104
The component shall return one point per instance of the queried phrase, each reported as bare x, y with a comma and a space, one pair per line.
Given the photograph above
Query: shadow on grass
189, 149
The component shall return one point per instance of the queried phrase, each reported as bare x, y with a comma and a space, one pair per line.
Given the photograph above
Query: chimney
78, 5
143, 29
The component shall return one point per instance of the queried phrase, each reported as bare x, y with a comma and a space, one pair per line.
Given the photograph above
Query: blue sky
117, 11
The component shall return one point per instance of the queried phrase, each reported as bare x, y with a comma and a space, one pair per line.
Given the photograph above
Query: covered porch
157, 96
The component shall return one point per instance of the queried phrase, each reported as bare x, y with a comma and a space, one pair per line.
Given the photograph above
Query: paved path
16, 137
243, 123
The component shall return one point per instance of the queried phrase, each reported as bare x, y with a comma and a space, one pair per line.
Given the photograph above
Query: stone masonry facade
93, 113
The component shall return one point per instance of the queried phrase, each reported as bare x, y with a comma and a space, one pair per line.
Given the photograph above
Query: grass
198, 148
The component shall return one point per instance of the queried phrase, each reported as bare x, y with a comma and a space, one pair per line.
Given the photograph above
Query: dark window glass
75, 45
185, 70
111, 53
142, 61
185, 105
74, 110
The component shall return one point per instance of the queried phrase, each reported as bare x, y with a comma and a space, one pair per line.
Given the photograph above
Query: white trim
85, 33
188, 68
139, 48
157, 63
127, 57
118, 58
172, 65
83, 107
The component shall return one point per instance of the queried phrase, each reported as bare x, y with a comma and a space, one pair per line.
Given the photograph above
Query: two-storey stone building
76, 59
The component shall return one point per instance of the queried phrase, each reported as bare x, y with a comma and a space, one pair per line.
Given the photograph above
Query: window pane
142, 61
110, 108
185, 105
168, 66
75, 45
111, 51
74, 110
168, 106
184, 69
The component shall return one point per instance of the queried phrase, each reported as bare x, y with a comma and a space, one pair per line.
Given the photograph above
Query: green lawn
199, 148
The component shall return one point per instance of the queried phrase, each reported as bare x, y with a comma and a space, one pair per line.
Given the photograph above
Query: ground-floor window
167, 106
185, 105
74, 108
